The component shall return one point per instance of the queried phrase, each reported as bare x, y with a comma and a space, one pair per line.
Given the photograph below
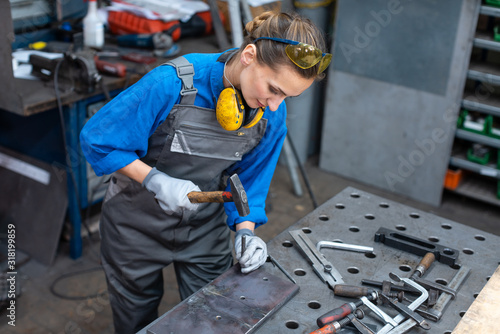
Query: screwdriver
342, 311
338, 313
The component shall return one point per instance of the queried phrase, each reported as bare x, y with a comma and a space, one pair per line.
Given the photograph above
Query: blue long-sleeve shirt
118, 133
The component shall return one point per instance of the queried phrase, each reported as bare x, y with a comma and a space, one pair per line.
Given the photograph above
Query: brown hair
286, 26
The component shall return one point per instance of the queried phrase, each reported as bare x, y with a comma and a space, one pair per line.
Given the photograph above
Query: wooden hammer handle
210, 196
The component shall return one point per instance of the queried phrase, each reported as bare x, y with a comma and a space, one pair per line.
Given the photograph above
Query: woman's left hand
255, 254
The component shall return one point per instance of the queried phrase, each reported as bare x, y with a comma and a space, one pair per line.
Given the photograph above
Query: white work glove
255, 254
170, 192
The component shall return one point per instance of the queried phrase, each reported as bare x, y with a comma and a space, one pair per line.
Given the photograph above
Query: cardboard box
255, 11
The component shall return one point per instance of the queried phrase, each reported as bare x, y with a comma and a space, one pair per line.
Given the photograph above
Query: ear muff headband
233, 113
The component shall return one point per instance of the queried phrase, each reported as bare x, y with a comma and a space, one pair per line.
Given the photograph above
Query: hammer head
239, 196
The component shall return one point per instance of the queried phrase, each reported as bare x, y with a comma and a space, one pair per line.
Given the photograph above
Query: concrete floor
41, 311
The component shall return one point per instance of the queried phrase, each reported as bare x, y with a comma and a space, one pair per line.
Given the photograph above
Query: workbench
354, 217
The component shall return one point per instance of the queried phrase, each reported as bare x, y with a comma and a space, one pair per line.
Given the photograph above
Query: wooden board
483, 315
232, 303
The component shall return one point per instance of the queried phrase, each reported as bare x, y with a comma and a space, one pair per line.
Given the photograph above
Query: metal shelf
484, 170
484, 72
482, 181
491, 11
479, 188
477, 138
486, 41
492, 106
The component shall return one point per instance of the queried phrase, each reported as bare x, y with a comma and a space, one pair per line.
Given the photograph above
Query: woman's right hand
170, 192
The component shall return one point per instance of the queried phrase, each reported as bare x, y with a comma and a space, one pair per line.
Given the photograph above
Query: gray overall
139, 239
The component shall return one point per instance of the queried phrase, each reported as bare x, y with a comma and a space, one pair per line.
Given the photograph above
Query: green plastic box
495, 3
481, 159
464, 122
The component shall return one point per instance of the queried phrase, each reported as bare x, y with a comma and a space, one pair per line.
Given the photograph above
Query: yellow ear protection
233, 112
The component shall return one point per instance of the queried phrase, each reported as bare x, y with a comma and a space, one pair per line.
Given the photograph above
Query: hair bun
257, 22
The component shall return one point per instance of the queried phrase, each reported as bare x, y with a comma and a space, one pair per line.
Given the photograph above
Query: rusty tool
403, 309
436, 312
236, 195
413, 306
393, 287
421, 269
338, 313
352, 291
336, 326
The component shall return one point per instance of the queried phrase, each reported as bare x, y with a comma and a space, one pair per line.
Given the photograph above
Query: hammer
236, 195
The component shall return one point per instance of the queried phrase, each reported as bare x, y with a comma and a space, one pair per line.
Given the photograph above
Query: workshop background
409, 111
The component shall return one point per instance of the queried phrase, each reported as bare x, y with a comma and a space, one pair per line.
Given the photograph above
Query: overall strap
185, 72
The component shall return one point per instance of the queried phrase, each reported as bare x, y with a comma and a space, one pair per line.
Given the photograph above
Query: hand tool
236, 195
243, 244
337, 326
321, 266
381, 314
403, 309
393, 287
338, 313
353, 291
280, 267
421, 269
436, 312
76, 69
342, 246
106, 67
413, 306
405, 242
158, 40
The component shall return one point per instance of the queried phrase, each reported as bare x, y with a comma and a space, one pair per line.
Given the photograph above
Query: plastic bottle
93, 28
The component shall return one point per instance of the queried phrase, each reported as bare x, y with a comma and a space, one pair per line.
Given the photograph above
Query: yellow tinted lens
303, 55
327, 59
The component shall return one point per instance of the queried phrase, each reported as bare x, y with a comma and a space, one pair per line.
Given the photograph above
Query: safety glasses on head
303, 55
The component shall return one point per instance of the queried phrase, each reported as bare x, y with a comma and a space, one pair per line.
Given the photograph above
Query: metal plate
354, 216
232, 303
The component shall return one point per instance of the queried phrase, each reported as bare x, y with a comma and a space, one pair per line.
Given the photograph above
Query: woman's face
263, 87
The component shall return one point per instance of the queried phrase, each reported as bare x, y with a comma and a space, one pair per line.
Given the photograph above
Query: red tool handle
328, 329
335, 315
115, 69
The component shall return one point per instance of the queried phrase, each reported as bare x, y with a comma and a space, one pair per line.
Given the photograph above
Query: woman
170, 134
